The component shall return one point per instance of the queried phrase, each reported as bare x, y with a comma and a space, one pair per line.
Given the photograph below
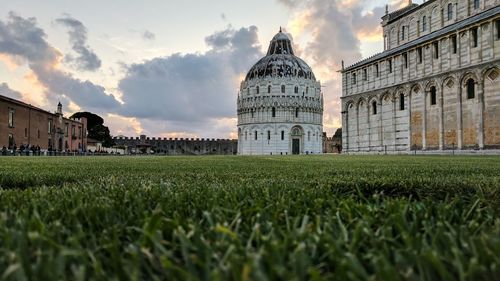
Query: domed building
280, 105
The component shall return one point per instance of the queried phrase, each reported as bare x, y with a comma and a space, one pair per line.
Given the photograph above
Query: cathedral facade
436, 86
280, 105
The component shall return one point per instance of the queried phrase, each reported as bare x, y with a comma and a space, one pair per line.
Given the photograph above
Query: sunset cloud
23, 40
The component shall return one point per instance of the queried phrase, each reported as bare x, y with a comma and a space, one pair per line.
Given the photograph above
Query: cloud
192, 91
148, 35
334, 30
22, 39
86, 60
5, 90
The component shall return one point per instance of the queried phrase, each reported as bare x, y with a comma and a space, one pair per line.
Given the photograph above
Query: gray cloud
5, 90
194, 88
148, 35
336, 34
23, 39
86, 59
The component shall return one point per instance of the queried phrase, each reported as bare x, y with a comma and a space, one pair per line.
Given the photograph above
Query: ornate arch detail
359, 102
431, 83
386, 96
348, 104
416, 88
468, 75
373, 97
491, 74
401, 90
449, 82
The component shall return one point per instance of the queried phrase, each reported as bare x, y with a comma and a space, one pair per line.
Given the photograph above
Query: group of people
23, 149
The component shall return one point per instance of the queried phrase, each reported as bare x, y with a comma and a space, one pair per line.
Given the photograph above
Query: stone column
459, 116
459, 47
409, 120
441, 120
357, 127
369, 113
394, 102
480, 115
381, 127
345, 127
424, 122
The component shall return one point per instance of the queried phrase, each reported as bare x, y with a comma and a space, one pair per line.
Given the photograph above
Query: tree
338, 133
95, 128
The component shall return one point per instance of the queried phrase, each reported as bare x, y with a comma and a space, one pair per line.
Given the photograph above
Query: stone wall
177, 146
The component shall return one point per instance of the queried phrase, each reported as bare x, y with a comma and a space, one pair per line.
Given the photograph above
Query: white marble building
280, 105
436, 86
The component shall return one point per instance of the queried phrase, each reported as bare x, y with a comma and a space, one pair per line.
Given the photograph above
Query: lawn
250, 218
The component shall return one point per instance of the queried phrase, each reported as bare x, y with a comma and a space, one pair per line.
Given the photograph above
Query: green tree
95, 128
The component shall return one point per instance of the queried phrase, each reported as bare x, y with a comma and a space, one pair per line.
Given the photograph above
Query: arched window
282, 89
252, 112
471, 89
309, 135
401, 102
257, 89
296, 90
282, 135
450, 11
274, 111
268, 135
433, 95
374, 107
297, 112
476, 4
424, 23
255, 135
269, 89
246, 135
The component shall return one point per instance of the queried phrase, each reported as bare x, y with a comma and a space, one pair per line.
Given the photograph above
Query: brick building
436, 86
27, 125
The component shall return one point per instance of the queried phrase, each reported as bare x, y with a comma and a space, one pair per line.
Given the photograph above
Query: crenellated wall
177, 146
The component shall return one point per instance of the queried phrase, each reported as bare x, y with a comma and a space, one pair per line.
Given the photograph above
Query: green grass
250, 218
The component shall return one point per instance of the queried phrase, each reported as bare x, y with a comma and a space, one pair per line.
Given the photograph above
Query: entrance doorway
295, 146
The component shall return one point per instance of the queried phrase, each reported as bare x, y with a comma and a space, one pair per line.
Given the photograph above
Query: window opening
433, 95
471, 91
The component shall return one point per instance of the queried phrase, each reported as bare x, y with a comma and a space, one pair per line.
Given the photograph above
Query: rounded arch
430, 84
360, 102
297, 130
416, 88
466, 76
386, 96
372, 98
349, 104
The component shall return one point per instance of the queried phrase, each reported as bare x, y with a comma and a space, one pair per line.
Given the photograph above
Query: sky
173, 68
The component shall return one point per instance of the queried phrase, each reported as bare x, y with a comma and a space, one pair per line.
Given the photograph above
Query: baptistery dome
280, 104
280, 61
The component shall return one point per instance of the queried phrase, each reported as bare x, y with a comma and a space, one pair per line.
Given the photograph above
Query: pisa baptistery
280, 105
